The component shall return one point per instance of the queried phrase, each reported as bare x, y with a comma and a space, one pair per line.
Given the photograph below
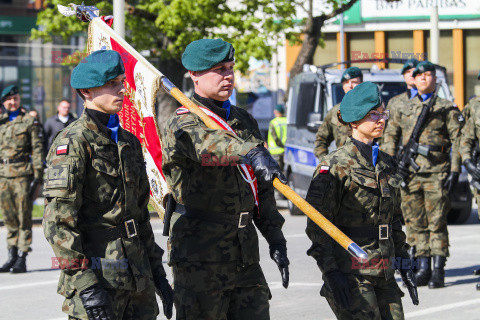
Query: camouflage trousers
220, 291
17, 211
127, 305
373, 298
279, 159
425, 205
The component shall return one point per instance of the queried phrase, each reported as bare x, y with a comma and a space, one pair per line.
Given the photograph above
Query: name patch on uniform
63, 149
324, 169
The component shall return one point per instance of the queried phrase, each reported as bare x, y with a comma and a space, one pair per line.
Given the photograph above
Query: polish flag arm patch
324, 169
63, 149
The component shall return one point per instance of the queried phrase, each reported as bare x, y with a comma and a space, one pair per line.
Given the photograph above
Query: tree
313, 25
312, 29
165, 27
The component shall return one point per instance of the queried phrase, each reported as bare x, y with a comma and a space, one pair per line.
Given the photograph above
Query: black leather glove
265, 167
164, 290
279, 255
337, 283
96, 302
33, 187
472, 169
408, 277
451, 181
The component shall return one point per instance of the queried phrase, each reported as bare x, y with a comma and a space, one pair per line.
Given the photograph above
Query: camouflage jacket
188, 149
395, 104
97, 184
20, 139
351, 193
330, 130
442, 129
470, 132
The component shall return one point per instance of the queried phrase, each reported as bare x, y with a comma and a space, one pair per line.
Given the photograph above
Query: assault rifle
476, 160
408, 153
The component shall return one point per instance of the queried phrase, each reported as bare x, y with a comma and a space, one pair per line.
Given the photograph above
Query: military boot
424, 271
438, 275
20, 265
12, 257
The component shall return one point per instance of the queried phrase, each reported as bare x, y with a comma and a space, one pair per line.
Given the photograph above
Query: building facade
36, 67
378, 29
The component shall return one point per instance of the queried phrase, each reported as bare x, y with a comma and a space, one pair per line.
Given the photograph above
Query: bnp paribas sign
419, 9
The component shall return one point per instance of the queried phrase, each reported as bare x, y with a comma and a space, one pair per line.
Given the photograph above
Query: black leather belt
128, 229
16, 160
241, 220
382, 232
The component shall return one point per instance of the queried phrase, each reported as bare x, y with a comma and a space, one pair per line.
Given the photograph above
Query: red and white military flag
138, 113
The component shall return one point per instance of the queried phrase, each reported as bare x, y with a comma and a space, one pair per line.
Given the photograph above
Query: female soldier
356, 187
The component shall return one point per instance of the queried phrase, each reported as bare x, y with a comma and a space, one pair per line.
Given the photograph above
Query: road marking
25, 285
441, 308
278, 285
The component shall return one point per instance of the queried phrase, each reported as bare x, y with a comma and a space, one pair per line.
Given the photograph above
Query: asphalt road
33, 295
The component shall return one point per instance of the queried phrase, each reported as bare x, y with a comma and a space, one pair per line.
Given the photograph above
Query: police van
315, 91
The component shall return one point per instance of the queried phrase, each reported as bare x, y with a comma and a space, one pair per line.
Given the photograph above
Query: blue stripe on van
302, 156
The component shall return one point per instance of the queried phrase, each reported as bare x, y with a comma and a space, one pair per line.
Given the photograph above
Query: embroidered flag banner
138, 114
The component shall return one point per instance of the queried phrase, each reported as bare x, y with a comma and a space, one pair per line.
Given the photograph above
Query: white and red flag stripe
138, 113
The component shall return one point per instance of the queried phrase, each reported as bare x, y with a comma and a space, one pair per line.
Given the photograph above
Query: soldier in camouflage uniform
96, 217
331, 129
425, 199
356, 187
398, 102
213, 244
469, 142
21, 171
395, 105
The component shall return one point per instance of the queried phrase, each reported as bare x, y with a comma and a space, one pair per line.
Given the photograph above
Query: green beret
359, 101
96, 69
9, 91
280, 108
411, 63
423, 67
350, 73
203, 54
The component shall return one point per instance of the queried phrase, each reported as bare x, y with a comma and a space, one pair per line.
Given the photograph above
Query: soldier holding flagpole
217, 200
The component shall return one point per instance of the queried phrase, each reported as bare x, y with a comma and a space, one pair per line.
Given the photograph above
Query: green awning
17, 24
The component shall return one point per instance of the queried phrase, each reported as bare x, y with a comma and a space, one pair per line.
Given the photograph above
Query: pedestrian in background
21, 172
277, 135
96, 216
58, 122
356, 187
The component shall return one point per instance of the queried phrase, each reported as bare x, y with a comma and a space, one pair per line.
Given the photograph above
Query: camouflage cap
359, 101
96, 69
411, 63
203, 54
9, 91
422, 67
350, 73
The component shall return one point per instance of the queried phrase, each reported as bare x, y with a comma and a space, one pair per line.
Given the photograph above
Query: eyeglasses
377, 116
